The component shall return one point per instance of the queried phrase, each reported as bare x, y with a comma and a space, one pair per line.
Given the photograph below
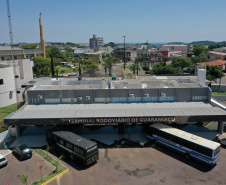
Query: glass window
61, 142
1, 82
75, 149
69, 145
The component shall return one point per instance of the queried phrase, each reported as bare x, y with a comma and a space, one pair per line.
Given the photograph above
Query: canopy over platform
59, 114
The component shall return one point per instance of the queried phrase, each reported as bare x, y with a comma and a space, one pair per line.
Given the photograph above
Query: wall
7, 90
106, 95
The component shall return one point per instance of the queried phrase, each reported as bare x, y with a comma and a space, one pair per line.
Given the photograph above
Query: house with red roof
218, 62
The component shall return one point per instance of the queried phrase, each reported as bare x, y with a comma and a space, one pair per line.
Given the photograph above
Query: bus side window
68, 145
192, 146
55, 138
150, 131
61, 142
173, 138
165, 135
81, 152
75, 149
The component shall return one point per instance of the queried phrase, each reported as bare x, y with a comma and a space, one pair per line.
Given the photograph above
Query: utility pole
124, 52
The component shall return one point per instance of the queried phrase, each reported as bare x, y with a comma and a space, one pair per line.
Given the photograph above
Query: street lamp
124, 53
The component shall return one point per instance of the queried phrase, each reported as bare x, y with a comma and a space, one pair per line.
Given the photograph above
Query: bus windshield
217, 151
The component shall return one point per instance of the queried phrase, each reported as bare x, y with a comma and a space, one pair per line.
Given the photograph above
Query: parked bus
191, 146
74, 146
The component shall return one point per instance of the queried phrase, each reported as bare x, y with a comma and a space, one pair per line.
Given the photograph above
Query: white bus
191, 146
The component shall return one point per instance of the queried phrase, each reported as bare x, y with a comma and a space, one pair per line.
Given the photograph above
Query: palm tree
109, 63
23, 178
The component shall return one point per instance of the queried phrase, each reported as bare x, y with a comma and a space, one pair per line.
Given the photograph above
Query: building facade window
167, 99
199, 98
119, 100
134, 99
102, 100
150, 99
1, 82
69, 100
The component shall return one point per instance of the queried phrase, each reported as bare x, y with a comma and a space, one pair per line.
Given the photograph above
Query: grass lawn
66, 70
216, 93
61, 168
5, 111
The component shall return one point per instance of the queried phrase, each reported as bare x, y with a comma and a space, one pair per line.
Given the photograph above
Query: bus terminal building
179, 100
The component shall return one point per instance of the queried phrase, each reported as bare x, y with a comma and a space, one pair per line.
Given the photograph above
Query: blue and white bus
191, 146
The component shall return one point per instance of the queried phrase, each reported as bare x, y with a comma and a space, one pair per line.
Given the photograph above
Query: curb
55, 177
44, 159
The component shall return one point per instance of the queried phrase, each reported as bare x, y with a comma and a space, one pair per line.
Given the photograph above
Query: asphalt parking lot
155, 165
30, 167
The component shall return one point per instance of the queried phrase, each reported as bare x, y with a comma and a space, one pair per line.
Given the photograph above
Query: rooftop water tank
79, 78
113, 77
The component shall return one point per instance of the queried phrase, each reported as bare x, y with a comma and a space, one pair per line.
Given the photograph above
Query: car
23, 151
72, 74
3, 161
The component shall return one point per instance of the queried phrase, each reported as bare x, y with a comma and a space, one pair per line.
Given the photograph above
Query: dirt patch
106, 154
139, 173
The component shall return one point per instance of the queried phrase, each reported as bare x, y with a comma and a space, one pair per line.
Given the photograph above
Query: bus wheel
187, 156
72, 157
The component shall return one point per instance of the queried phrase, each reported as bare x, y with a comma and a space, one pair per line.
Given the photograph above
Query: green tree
30, 46
133, 68
23, 178
54, 53
112, 44
213, 73
201, 58
182, 62
80, 61
41, 66
109, 61
92, 65
198, 49
57, 162
68, 52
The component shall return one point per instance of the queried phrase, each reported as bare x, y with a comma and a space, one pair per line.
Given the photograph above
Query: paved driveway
30, 167
133, 166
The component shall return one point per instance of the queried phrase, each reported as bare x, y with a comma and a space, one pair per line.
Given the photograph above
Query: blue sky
76, 20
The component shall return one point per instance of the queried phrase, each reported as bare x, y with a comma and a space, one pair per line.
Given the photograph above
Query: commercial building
13, 76
130, 53
177, 100
186, 50
7, 53
164, 56
95, 41
15, 53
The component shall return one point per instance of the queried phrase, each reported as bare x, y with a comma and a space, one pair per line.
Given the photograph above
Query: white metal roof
187, 136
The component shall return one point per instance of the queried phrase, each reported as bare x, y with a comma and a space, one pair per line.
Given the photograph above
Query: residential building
95, 41
217, 62
186, 49
13, 76
102, 48
160, 56
214, 55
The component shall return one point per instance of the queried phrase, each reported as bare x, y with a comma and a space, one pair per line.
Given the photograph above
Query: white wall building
186, 49
11, 84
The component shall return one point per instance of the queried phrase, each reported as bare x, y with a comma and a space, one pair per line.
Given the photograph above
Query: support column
17, 131
122, 128
220, 127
